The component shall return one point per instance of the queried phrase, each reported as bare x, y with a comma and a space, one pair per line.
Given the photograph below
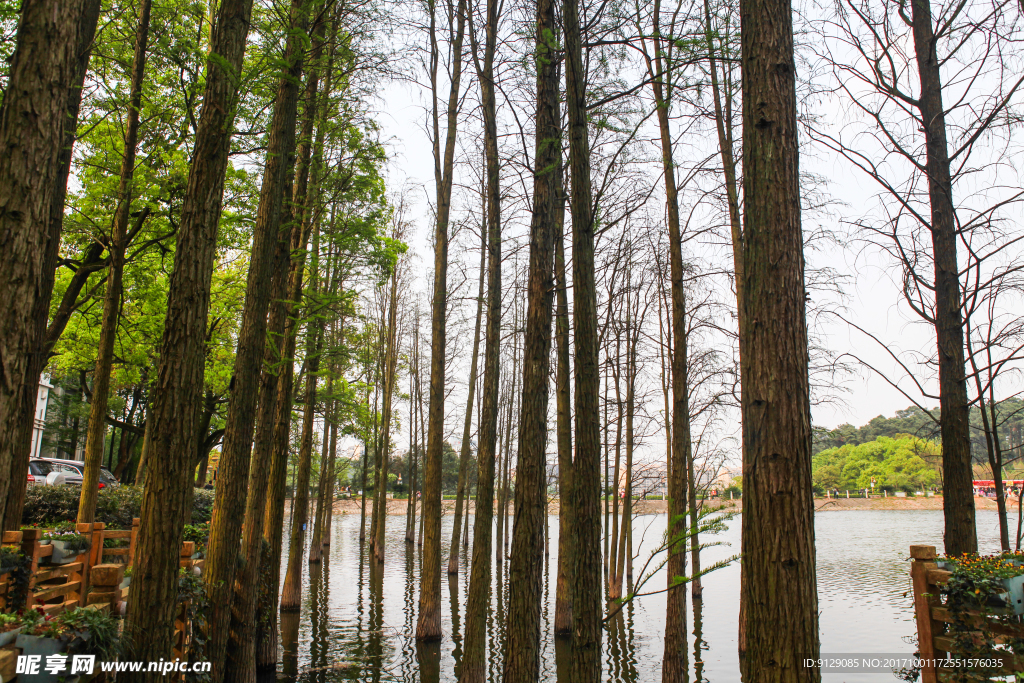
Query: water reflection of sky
358, 625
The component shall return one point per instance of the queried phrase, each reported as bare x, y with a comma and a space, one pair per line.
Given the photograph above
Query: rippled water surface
358, 625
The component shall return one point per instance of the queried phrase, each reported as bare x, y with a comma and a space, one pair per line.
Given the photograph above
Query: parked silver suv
74, 472
43, 473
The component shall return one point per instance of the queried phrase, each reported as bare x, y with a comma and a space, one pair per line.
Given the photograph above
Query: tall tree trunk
316, 543
309, 162
377, 379
291, 593
957, 490
325, 489
415, 402
22, 446
586, 600
612, 557
780, 591
674, 661
97, 428
176, 392
390, 374
526, 569
240, 664
233, 467
428, 626
461, 493
724, 127
329, 495
563, 401
34, 125
624, 556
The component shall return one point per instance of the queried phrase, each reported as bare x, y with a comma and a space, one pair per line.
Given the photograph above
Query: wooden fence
93, 580
934, 640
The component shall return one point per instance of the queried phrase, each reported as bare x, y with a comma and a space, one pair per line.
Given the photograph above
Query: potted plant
41, 635
93, 632
67, 543
10, 627
75, 631
127, 580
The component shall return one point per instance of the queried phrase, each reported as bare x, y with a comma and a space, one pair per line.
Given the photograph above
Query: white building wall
42, 403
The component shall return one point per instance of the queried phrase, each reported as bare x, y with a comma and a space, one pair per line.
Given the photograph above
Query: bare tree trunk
97, 428
474, 661
461, 493
614, 588
625, 552
291, 592
43, 85
586, 603
724, 127
414, 444
428, 627
780, 590
526, 569
957, 490
316, 544
390, 363
329, 495
563, 400
674, 662
176, 392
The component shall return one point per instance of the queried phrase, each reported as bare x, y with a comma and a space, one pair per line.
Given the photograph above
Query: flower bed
996, 581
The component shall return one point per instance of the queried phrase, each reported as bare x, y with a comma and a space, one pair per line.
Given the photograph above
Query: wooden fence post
131, 545
923, 559
30, 547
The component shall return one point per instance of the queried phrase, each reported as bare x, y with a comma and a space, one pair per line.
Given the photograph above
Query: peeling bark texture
34, 125
151, 611
779, 589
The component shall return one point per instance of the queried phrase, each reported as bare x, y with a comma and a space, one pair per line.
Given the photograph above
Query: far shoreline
656, 507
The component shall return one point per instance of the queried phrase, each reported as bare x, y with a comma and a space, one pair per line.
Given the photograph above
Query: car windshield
106, 476
40, 468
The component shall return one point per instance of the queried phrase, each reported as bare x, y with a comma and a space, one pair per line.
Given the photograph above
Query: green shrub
202, 506
115, 507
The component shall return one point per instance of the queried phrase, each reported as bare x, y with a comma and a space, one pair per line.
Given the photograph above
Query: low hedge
116, 507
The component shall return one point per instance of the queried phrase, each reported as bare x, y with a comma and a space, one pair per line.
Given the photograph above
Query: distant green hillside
915, 422
904, 463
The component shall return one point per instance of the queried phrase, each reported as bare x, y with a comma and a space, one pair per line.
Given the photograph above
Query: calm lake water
355, 626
